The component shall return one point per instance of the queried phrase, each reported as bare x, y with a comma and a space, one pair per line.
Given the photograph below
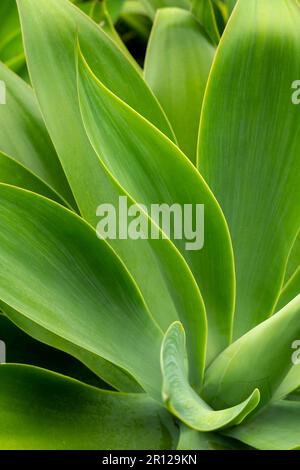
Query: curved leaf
275, 428
107, 371
22, 349
182, 400
249, 148
54, 25
189, 439
204, 12
15, 174
294, 259
154, 171
178, 61
68, 415
261, 359
168, 288
11, 46
74, 286
23, 135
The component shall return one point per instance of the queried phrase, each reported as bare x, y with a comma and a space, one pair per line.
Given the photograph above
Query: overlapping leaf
23, 349
11, 46
91, 183
194, 440
115, 129
204, 12
261, 359
177, 65
182, 400
74, 286
153, 5
249, 147
275, 428
24, 137
291, 382
111, 374
67, 415
15, 174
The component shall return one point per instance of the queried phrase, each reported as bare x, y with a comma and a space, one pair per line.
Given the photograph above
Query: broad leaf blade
178, 296
178, 61
115, 129
182, 400
107, 371
74, 286
275, 428
54, 26
249, 148
68, 415
261, 359
291, 286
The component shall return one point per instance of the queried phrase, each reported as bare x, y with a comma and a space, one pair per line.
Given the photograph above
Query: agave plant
188, 349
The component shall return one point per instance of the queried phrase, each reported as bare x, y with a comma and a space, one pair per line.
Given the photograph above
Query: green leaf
107, 371
11, 46
24, 137
99, 11
22, 349
55, 25
152, 6
290, 384
91, 183
261, 359
294, 259
15, 174
182, 400
108, 26
275, 428
290, 290
204, 12
177, 65
194, 440
249, 148
67, 415
74, 286
114, 8
123, 132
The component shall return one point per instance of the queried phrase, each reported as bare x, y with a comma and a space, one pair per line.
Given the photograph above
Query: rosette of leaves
140, 344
